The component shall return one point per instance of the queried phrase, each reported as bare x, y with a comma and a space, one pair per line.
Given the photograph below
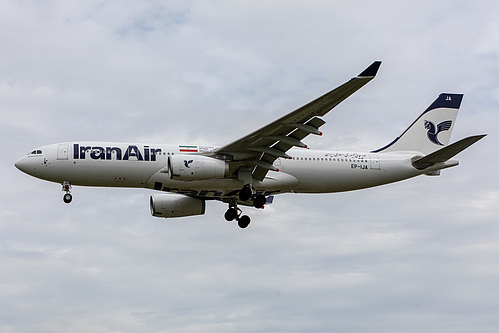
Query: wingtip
371, 70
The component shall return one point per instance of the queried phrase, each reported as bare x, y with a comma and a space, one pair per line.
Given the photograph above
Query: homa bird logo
433, 131
187, 162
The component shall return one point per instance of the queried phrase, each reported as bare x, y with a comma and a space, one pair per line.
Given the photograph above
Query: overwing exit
250, 171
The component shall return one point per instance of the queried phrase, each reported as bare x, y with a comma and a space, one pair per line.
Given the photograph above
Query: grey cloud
415, 256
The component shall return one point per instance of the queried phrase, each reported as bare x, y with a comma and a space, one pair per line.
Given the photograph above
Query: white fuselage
112, 164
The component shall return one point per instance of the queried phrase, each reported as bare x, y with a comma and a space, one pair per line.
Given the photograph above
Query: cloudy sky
420, 255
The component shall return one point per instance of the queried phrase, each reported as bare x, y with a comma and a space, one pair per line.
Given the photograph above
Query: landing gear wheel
67, 198
244, 221
230, 214
259, 201
245, 193
66, 187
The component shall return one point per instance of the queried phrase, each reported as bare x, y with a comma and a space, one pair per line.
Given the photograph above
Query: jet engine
194, 167
176, 205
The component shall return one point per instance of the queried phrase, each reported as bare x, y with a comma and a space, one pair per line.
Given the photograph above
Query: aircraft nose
19, 164
22, 164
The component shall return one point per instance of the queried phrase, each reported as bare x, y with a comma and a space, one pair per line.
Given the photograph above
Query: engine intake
176, 205
195, 167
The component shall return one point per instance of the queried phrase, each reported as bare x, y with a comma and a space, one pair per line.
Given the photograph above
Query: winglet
371, 70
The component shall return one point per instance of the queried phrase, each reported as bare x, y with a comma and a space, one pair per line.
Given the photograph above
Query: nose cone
21, 164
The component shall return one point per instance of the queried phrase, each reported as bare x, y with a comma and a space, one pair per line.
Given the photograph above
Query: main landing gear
234, 213
66, 187
246, 193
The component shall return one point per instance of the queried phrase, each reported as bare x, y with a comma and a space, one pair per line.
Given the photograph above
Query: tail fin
432, 130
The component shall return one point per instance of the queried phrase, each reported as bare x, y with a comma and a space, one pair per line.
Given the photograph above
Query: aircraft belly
324, 178
277, 182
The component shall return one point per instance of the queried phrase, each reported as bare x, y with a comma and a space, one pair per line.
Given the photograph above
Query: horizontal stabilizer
446, 153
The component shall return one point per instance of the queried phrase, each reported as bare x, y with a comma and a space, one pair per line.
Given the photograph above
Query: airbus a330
250, 171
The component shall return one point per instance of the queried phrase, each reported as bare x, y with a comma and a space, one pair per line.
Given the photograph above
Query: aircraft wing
261, 148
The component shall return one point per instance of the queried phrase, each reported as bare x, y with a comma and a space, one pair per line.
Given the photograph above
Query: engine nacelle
176, 205
195, 167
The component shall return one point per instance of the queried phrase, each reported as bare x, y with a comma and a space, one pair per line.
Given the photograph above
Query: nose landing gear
66, 187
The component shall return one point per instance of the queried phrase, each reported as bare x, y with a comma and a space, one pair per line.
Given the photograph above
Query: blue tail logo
186, 163
433, 131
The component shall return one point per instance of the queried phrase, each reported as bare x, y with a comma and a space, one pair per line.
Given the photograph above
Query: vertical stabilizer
432, 130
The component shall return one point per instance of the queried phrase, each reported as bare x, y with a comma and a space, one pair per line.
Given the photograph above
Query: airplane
253, 169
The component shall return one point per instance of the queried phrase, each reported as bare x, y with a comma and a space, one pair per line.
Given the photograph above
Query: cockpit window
36, 152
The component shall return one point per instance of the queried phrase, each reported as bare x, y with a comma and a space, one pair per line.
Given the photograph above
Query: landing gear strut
66, 187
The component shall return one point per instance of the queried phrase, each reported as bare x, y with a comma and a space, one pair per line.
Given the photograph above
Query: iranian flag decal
188, 149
